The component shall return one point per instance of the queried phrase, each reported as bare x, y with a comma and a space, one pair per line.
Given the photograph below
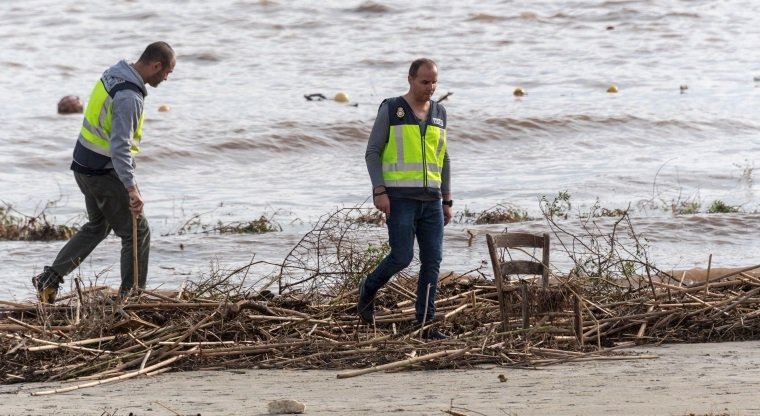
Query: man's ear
157, 66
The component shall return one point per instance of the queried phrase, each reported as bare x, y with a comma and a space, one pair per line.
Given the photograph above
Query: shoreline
701, 379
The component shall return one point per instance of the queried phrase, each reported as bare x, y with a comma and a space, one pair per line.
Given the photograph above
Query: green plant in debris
720, 207
597, 211
501, 214
17, 226
465, 215
365, 261
686, 207
609, 258
259, 226
559, 207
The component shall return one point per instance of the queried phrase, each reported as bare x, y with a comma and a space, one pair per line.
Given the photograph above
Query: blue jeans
408, 219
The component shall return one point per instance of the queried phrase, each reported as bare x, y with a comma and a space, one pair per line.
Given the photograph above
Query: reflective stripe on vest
410, 159
96, 127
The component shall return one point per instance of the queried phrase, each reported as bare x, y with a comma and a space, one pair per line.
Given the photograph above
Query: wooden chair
509, 267
504, 268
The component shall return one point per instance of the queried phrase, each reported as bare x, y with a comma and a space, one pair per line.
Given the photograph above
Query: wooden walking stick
135, 273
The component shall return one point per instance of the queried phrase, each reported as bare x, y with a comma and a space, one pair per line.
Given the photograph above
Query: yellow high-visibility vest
96, 128
410, 159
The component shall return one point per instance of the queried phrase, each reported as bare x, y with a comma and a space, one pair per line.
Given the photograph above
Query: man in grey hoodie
104, 169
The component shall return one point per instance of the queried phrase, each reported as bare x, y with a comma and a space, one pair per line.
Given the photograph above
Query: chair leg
578, 317
525, 305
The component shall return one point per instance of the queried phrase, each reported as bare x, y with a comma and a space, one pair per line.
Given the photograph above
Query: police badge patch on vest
400, 112
437, 121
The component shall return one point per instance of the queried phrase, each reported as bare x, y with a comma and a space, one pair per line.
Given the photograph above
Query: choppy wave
372, 7
238, 112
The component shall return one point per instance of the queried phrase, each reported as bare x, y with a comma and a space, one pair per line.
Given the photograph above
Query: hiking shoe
47, 284
366, 305
434, 334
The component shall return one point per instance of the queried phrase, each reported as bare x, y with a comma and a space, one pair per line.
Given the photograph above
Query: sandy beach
683, 379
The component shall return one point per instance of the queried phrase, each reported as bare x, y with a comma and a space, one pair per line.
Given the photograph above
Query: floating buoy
518, 92
70, 104
683, 88
612, 89
164, 108
341, 97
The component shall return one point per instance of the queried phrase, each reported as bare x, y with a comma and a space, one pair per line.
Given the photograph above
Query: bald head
414, 68
156, 63
157, 52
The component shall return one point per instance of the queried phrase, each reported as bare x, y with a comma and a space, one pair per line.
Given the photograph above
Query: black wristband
375, 195
450, 202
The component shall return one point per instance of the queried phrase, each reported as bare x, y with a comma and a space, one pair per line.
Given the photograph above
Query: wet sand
703, 379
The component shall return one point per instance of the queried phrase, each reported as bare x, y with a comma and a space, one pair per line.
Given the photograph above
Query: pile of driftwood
92, 337
697, 305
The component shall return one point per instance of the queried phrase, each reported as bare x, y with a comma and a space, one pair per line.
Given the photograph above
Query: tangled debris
91, 337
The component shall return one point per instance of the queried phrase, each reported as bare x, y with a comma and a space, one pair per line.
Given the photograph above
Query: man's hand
382, 202
135, 200
448, 212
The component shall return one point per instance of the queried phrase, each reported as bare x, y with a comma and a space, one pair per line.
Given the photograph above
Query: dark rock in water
70, 104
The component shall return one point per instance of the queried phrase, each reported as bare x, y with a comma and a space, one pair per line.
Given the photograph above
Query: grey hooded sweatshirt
126, 111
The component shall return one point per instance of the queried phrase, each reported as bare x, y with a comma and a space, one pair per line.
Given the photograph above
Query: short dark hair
158, 51
417, 63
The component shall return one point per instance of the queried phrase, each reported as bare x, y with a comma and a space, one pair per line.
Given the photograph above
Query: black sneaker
433, 334
47, 284
366, 305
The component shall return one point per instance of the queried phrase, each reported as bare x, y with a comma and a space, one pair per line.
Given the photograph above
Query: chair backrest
504, 268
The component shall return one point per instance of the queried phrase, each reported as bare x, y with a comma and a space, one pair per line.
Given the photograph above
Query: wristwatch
450, 202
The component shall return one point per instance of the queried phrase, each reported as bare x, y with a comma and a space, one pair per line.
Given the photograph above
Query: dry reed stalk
643, 327
400, 364
184, 336
455, 311
700, 301
555, 352
148, 293
407, 317
282, 364
257, 349
286, 319
135, 268
707, 276
275, 310
737, 302
53, 345
199, 344
749, 277
437, 309
27, 326
586, 355
454, 413
21, 328
627, 317
109, 380
13, 304
396, 288
541, 363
